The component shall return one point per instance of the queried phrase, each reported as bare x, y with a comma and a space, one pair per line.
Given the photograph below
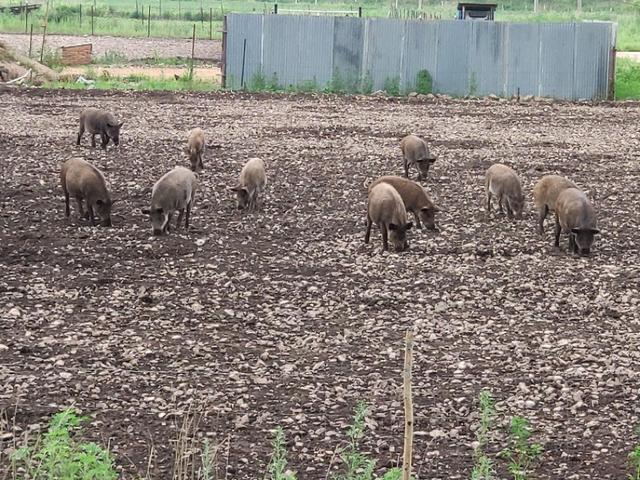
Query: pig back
414, 148
574, 210
253, 175
386, 206
174, 190
79, 177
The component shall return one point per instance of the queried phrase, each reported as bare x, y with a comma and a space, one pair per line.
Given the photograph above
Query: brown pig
99, 122
545, 194
416, 152
385, 209
575, 215
415, 199
503, 183
252, 181
195, 149
83, 181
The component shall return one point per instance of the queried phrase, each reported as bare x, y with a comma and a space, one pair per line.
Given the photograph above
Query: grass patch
138, 83
57, 454
627, 79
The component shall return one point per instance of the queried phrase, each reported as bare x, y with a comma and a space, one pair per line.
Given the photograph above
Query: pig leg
417, 217
573, 247
186, 220
542, 214
105, 139
93, 140
500, 204
406, 167
80, 133
67, 210
180, 215
385, 236
557, 233
508, 208
200, 165
167, 227
92, 216
367, 235
81, 211
487, 192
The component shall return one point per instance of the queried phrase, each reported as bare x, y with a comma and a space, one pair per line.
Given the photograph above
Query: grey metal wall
561, 60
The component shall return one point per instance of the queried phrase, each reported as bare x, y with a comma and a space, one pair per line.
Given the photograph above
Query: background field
175, 18
285, 317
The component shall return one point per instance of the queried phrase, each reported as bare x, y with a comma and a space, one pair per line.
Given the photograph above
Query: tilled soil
285, 317
131, 48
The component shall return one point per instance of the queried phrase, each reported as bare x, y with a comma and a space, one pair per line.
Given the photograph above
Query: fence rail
560, 60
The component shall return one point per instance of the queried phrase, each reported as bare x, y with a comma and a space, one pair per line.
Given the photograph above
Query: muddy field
285, 317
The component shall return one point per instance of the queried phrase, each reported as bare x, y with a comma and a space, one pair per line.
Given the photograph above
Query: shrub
424, 82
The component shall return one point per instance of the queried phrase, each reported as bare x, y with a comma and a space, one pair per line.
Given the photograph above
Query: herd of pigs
389, 197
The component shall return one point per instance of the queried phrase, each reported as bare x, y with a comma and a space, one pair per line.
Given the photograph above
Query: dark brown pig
98, 122
85, 182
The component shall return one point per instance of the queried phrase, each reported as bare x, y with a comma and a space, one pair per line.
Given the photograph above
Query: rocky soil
285, 317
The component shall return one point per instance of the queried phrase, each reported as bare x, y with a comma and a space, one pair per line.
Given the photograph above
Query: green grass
173, 18
627, 79
141, 83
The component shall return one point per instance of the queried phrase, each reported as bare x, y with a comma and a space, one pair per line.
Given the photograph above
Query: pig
95, 122
503, 183
416, 152
415, 199
575, 215
385, 209
175, 191
85, 182
252, 181
195, 149
545, 194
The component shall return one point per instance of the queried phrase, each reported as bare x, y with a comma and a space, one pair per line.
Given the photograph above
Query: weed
52, 59
366, 85
424, 82
473, 84
257, 82
336, 84
277, 468
392, 86
521, 454
627, 79
357, 465
483, 466
634, 458
111, 58
57, 455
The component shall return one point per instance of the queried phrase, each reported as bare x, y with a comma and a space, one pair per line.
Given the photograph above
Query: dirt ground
131, 48
285, 317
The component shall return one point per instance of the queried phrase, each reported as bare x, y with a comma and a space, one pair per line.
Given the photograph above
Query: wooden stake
408, 407
44, 31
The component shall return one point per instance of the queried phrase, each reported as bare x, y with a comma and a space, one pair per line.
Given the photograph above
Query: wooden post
93, 11
579, 5
30, 40
275, 8
44, 31
201, 16
149, 22
210, 23
26, 18
193, 51
80, 5
408, 407
160, 9
179, 9
359, 12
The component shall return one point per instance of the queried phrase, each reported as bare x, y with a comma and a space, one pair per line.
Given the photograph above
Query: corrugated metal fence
560, 60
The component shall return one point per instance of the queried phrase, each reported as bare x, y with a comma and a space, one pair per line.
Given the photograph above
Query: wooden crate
77, 54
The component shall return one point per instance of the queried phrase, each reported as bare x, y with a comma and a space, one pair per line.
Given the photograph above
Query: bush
392, 86
424, 82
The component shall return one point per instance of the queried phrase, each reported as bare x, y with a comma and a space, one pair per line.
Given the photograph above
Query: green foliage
483, 466
357, 465
277, 468
140, 83
52, 59
627, 79
521, 454
257, 83
366, 86
111, 57
634, 458
473, 84
56, 455
337, 83
424, 82
392, 86
208, 460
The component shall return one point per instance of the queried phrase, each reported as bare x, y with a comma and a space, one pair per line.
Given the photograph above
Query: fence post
244, 55
149, 22
142, 14
30, 40
193, 51
179, 9
210, 23
359, 12
92, 14
160, 9
201, 16
275, 8
44, 31
80, 15
26, 18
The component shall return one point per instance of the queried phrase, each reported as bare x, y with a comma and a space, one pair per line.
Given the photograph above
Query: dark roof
477, 5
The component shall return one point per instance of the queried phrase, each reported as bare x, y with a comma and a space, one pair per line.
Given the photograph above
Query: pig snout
584, 252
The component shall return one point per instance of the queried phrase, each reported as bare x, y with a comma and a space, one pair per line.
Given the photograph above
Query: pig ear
146, 211
408, 226
595, 231
120, 124
432, 160
393, 226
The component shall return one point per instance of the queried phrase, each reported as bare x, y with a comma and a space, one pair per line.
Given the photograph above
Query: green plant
483, 466
57, 455
424, 82
521, 454
273, 85
52, 59
208, 461
634, 458
627, 79
473, 84
277, 468
392, 86
111, 58
366, 85
257, 82
357, 465
336, 84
